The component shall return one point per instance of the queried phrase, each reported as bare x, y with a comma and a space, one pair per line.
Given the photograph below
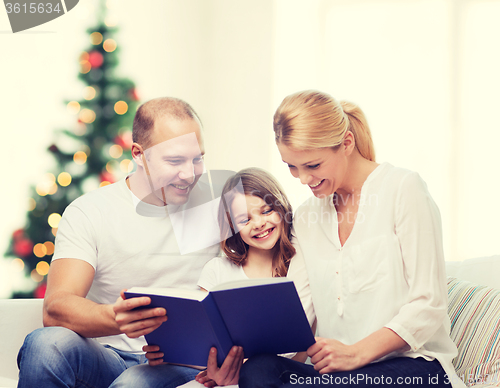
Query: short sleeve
210, 274
76, 237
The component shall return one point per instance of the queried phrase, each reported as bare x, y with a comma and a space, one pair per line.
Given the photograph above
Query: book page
249, 283
175, 292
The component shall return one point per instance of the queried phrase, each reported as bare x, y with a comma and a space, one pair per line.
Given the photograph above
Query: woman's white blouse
390, 271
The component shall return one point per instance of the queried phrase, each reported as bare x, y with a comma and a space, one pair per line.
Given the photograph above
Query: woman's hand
329, 355
153, 354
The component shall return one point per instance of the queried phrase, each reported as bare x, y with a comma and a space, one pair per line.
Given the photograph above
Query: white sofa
474, 311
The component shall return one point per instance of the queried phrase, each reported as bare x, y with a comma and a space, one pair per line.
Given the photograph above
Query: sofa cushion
475, 328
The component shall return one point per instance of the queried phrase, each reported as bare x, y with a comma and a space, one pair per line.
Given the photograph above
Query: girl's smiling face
256, 221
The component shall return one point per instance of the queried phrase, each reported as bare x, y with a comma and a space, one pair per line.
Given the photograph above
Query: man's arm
68, 283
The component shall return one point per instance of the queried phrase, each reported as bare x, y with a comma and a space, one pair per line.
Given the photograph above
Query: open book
261, 315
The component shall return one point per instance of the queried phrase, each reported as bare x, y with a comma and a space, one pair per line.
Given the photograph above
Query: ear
349, 143
137, 154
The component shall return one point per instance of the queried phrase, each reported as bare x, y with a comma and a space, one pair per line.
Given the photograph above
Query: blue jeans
269, 371
58, 357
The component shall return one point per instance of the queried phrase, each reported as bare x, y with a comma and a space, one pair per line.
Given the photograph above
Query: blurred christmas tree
94, 153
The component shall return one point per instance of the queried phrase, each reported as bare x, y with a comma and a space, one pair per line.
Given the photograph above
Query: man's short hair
155, 109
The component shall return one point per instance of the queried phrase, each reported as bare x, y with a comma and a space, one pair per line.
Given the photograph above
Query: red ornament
23, 247
53, 148
95, 59
106, 177
133, 94
40, 291
18, 234
124, 140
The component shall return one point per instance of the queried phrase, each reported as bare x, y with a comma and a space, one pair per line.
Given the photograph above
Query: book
261, 315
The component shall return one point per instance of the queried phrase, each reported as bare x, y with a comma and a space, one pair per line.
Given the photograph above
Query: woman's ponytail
358, 125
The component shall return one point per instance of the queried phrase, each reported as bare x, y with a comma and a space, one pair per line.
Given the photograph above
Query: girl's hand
153, 354
329, 355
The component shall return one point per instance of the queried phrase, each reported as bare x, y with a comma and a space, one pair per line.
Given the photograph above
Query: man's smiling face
175, 163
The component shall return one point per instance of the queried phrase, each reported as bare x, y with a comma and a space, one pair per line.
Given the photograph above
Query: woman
371, 239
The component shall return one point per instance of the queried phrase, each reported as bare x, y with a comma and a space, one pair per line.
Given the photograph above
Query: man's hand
329, 355
227, 374
138, 322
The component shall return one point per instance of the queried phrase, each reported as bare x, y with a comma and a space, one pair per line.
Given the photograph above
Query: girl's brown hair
258, 183
311, 119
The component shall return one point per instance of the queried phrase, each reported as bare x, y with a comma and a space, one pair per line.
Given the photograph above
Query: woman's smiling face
323, 170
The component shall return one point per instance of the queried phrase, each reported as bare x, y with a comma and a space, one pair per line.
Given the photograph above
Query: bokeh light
39, 250
87, 116
115, 151
96, 38
64, 179
46, 186
35, 276
54, 219
121, 107
31, 204
89, 93
50, 247
42, 268
73, 107
126, 165
85, 67
17, 265
109, 45
112, 166
80, 157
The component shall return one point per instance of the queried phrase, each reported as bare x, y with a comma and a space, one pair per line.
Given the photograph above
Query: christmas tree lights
101, 140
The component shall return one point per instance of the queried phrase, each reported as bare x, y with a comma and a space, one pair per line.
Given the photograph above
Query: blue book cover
261, 315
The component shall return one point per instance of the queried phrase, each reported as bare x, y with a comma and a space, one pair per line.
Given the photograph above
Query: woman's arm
329, 355
418, 228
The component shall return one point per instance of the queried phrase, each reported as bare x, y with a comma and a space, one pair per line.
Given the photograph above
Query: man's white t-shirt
389, 273
129, 243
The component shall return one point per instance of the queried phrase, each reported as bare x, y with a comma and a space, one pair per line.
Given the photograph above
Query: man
114, 238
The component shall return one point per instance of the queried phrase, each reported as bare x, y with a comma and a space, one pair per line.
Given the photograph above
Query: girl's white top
390, 271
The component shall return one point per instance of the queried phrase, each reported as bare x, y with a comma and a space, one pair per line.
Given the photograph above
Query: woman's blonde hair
311, 119
258, 183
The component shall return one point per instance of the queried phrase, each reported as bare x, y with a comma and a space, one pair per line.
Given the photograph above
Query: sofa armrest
19, 318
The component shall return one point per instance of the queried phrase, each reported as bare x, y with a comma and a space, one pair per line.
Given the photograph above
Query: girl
372, 244
255, 219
